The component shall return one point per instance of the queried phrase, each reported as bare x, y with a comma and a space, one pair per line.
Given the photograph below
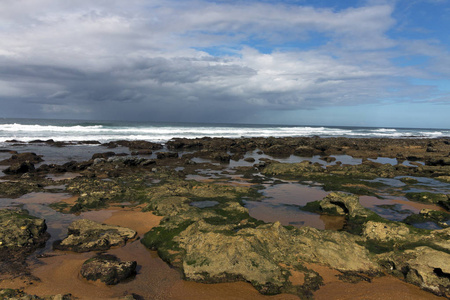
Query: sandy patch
386, 288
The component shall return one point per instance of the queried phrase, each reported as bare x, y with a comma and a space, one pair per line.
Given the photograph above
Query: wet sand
155, 279
386, 288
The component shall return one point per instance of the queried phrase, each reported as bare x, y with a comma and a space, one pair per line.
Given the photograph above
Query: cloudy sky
353, 62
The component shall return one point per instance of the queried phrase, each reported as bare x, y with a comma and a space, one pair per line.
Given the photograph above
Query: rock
142, 152
15, 294
163, 155
258, 254
440, 218
22, 157
339, 203
108, 269
19, 168
305, 151
20, 235
385, 232
423, 266
444, 161
221, 156
19, 229
86, 235
134, 145
286, 169
14, 189
103, 155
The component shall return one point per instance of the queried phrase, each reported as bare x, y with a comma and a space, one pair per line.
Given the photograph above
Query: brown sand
156, 280
386, 288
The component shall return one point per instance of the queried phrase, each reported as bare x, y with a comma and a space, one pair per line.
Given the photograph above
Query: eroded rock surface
86, 235
343, 204
108, 269
423, 266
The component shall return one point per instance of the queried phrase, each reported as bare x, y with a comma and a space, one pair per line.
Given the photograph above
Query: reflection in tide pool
282, 204
395, 208
37, 205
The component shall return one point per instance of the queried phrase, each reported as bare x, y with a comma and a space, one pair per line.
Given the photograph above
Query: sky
299, 62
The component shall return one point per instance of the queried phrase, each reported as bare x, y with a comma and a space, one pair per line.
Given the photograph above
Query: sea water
104, 131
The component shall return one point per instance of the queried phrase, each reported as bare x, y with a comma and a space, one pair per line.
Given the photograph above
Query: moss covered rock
19, 229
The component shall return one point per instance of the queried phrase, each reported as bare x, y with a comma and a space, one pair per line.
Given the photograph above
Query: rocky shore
201, 189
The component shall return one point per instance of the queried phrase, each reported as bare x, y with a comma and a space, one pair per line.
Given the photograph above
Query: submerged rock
86, 235
108, 269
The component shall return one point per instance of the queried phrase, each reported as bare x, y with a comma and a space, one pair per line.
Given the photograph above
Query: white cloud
150, 53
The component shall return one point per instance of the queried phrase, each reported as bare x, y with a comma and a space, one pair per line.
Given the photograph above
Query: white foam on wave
163, 134
48, 128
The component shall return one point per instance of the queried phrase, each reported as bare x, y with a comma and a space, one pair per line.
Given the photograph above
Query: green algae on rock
20, 235
19, 229
223, 243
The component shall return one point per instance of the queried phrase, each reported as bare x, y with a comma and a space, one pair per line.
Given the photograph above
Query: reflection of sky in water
281, 204
423, 184
385, 160
37, 205
399, 208
204, 204
427, 225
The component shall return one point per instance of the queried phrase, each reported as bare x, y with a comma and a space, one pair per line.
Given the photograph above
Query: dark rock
134, 145
22, 157
148, 162
108, 269
19, 168
222, 157
163, 155
88, 143
444, 161
20, 235
142, 152
249, 159
103, 155
13, 294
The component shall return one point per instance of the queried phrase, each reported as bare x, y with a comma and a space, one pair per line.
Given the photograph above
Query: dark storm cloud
197, 60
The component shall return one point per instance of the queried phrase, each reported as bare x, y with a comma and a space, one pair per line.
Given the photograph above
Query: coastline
219, 163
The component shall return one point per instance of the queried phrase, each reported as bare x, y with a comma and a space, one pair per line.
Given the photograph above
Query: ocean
104, 131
